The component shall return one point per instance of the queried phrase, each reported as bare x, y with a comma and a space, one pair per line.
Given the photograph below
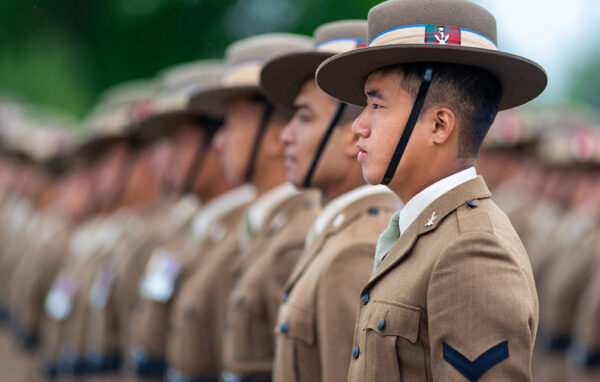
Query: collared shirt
423, 199
218, 207
338, 204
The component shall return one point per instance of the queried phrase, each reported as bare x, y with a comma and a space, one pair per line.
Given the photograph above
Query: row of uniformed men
134, 278
545, 172
175, 291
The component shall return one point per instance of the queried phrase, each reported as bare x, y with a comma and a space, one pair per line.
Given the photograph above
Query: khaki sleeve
338, 299
482, 312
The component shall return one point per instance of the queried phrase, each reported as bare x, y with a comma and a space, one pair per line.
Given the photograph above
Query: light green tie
387, 240
246, 231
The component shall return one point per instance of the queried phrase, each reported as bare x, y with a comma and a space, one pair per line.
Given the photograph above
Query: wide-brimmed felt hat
118, 109
571, 146
176, 87
283, 76
446, 31
244, 60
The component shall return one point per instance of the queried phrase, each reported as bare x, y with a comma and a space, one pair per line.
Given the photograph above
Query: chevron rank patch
473, 370
443, 35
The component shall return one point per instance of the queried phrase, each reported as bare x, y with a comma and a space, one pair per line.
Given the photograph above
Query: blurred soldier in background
199, 177
317, 314
270, 229
47, 231
573, 250
277, 224
43, 227
546, 165
105, 155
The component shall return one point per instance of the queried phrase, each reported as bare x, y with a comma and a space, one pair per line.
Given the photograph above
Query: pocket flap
394, 319
296, 323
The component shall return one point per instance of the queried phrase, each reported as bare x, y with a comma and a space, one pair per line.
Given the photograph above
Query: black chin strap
313, 166
266, 118
410, 125
192, 171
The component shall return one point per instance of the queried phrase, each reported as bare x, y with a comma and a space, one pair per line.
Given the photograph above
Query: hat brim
93, 146
343, 76
156, 126
282, 78
212, 101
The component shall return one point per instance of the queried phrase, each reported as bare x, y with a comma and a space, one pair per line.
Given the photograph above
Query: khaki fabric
458, 278
585, 335
316, 319
109, 328
31, 280
560, 294
260, 277
197, 315
60, 336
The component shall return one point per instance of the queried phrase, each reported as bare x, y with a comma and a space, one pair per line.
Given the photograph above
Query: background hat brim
343, 76
212, 101
90, 148
156, 126
282, 78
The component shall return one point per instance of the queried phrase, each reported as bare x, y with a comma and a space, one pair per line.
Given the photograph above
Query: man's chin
371, 178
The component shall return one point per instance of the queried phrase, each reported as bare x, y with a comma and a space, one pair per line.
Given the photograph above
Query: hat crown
463, 14
262, 47
203, 73
346, 29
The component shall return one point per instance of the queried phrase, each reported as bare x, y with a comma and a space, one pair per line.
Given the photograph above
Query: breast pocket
295, 354
392, 352
247, 320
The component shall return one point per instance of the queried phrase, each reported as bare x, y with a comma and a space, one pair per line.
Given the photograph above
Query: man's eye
377, 106
304, 118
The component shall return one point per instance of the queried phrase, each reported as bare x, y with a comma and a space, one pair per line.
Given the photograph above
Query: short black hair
472, 93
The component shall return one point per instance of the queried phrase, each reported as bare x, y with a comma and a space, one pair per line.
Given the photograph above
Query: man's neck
268, 178
407, 189
349, 183
212, 191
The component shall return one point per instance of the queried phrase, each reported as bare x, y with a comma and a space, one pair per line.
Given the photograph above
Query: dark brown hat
282, 77
244, 60
450, 31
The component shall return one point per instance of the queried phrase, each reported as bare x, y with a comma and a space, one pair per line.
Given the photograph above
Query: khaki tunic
264, 267
31, 280
196, 321
316, 319
109, 326
583, 357
454, 299
559, 292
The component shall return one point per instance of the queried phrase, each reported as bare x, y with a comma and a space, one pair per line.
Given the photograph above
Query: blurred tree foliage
63, 53
585, 82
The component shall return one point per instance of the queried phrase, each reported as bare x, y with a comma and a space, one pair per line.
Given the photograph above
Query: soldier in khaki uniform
270, 230
30, 279
570, 272
176, 255
22, 274
266, 261
316, 317
66, 301
452, 296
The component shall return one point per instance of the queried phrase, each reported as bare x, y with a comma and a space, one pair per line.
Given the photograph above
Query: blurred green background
63, 53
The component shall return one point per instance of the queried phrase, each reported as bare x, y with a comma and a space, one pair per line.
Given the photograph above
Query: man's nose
218, 139
361, 125
287, 134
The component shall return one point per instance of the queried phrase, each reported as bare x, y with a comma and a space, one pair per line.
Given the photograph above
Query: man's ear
443, 123
349, 140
